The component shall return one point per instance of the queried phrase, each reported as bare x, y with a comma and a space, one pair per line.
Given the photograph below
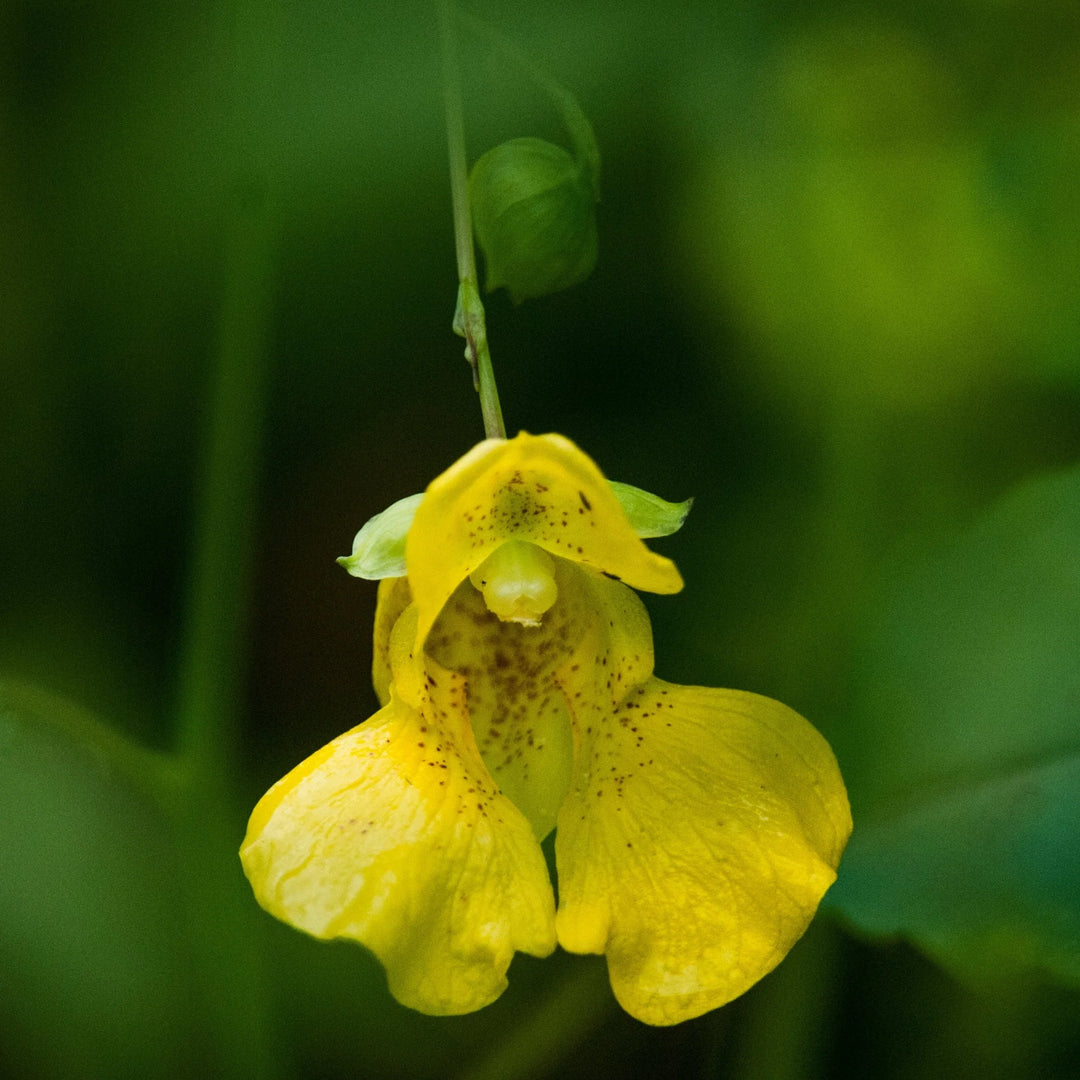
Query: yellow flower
697, 829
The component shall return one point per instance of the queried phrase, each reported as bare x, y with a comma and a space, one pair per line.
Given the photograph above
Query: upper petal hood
539, 488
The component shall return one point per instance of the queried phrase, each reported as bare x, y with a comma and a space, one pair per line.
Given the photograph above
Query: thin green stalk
212, 655
574, 119
552, 1028
469, 320
222, 918
222, 921
214, 632
791, 1013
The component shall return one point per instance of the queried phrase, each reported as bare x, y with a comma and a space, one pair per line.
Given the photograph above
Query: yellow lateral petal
393, 598
395, 836
539, 488
702, 830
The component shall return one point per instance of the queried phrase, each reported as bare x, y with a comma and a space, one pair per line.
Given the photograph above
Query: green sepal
650, 515
378, 550
379, 547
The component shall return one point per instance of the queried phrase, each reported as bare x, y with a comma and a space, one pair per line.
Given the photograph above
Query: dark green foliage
964, 765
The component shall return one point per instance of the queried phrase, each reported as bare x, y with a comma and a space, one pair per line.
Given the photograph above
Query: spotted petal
393, 598
394, 835
701, 831
537, 488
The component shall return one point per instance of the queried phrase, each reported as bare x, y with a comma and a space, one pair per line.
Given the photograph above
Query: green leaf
985, 875
962, 750
93, 976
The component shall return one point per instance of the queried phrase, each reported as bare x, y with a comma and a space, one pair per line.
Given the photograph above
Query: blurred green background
836, 301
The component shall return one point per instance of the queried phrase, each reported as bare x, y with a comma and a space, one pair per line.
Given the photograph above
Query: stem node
469, 321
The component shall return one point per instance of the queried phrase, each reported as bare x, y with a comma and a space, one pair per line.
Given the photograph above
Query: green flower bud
534, 218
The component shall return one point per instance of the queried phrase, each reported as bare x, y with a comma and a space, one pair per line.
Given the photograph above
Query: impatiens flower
697, 829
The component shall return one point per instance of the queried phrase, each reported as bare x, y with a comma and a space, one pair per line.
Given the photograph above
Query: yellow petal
395, 836
702, 830
539, 488
393, 598
518, 677
518, 714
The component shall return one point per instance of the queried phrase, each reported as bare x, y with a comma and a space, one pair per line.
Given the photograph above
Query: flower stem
220, 919
552, 1028
577, 125
213, 640
469, 320
791, 1013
